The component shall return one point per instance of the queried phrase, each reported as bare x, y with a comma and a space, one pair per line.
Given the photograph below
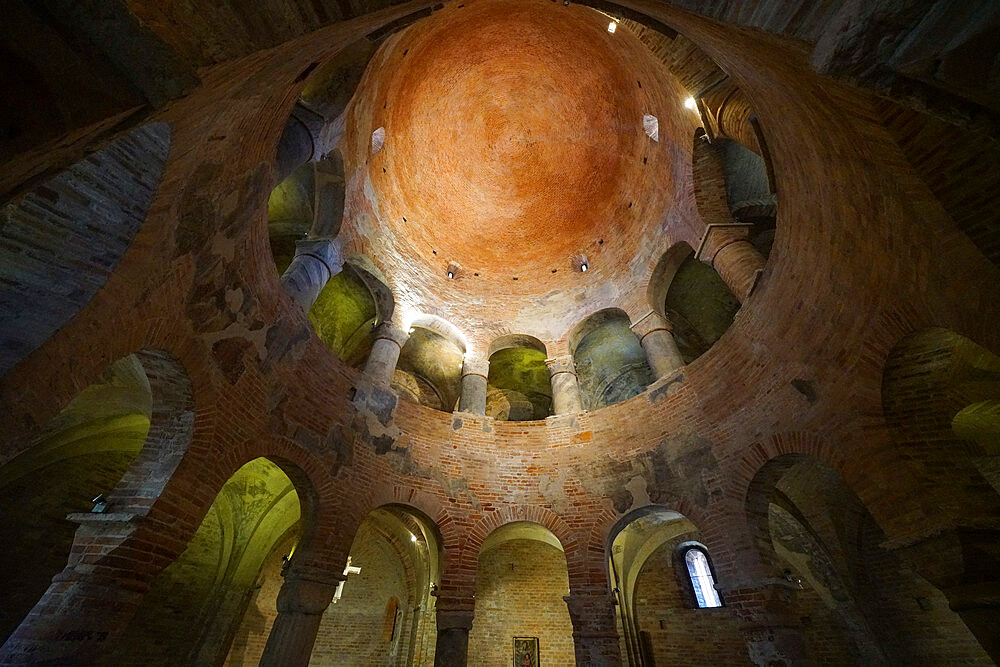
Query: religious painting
525, 651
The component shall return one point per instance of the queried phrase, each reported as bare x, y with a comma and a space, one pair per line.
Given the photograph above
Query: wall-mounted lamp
612, 26
100, 504
453, 271
581, 263
690, 103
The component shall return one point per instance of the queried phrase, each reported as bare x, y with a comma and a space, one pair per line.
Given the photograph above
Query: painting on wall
526, 652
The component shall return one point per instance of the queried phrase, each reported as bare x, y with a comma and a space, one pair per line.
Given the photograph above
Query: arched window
701, 577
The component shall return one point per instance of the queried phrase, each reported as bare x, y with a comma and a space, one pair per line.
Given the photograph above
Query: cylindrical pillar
655, 336
300, 141
454, 620
565, 385
770, 626
474, 374
301, 602
385, 353
595, 637
736, 260
315, 262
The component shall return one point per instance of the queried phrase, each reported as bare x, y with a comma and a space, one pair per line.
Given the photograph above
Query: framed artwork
526, 652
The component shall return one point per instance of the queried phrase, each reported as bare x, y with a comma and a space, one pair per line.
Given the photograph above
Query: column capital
471, 366
389, 331
455, 613
563, 364
308, 590
649, 323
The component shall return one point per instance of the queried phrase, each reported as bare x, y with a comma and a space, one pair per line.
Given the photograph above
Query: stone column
315, 262
595, 636
769, 623
474, 374
303, 598
454, 620
385, 353
736, 260
565, 386
655, 336
964, 564
300, 141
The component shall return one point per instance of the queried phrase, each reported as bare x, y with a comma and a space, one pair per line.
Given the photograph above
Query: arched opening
64, 238
939, 397
692, 297
429, 369
82, 452
195, 605
666, 602
518, 386
349, 308
856, 598
290, 214
521, 581
383, 613
110, 450
610, 363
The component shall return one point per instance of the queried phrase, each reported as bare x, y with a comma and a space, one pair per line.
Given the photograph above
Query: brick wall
520, 586
680, 634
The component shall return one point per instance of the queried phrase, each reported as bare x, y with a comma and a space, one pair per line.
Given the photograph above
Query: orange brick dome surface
514, 142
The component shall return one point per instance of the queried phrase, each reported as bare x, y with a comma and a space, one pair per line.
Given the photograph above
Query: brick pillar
655, 335
595, 634
385, 353
88, 604
305, 595
315, 262
474, 374
454, 620
770, 624
964, 564
736, 260
565, 386
300, 141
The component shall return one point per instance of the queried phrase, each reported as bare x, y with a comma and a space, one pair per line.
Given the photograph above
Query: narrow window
702, 581
378, 140
652, 126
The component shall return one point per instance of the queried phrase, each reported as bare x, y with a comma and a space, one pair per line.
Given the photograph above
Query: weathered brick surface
864, 255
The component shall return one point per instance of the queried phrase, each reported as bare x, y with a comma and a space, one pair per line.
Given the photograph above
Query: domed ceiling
514, 142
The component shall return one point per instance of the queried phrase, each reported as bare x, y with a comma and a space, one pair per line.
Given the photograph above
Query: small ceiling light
690, 103
580, 262
584, 267
413, 538
612, 26
451, 274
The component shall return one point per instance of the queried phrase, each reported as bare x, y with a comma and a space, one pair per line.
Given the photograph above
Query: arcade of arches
491, 332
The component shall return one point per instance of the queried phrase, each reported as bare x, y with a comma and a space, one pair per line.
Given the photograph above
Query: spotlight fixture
100, 504
584, 267
453, 271
413, 538
580, 263
612, 26
451, 275
690, 103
